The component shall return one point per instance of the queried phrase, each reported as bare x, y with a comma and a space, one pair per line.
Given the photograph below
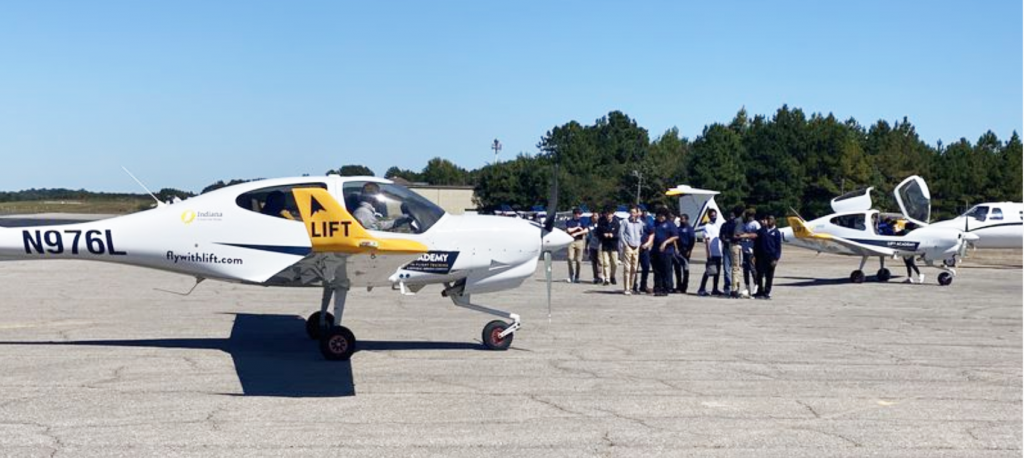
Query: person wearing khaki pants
608, 232
736, 253
578, 231
631, 238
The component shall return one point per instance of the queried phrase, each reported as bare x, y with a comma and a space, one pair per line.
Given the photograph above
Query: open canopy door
853, 201
914, 199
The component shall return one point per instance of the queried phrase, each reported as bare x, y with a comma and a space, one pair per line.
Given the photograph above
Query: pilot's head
371, 188
274, 202
369, 193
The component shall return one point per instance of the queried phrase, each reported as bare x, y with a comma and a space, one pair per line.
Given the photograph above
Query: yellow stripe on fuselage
332, 229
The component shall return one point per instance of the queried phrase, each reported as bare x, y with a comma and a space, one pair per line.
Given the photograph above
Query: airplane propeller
549, 227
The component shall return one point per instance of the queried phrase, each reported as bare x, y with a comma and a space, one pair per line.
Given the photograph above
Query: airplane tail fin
799, 226
695, 203
331, 228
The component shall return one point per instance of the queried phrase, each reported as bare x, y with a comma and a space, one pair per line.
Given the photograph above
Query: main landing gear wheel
338, 344
949, 262
492, 336
884, 274
857, 276
945, 278
313, 329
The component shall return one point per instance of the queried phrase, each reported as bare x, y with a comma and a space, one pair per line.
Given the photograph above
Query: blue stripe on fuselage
295, 250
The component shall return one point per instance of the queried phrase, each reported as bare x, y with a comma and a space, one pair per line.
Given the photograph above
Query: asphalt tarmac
95, 361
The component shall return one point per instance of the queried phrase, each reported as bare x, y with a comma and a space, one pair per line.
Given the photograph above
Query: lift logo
434, 262
320, 229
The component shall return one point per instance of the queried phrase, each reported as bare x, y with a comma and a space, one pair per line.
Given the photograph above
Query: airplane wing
806, 238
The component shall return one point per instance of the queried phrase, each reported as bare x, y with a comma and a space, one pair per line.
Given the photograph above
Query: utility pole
639, 182
496, 146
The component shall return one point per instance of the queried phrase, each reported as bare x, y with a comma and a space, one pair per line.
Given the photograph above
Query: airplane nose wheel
338, 344
492, 336
945, 278
313, 329
884, 274
857, 276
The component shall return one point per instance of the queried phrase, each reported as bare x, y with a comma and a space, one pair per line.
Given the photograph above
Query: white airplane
997, 224
854, 230
332, 232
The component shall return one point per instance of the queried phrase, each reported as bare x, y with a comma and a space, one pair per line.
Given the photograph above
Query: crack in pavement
811, 409
635, 420
556, 406
46, 431
829, 434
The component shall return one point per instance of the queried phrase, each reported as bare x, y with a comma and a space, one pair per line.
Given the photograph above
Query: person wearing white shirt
713, 249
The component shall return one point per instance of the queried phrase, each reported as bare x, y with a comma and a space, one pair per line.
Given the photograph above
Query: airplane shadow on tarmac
273, 356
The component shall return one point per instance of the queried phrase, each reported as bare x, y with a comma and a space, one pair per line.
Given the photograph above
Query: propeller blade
547, 276
549, 223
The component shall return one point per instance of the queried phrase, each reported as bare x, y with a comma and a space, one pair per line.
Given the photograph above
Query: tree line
778, 164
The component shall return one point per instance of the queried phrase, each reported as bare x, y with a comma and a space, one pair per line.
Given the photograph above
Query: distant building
453, 199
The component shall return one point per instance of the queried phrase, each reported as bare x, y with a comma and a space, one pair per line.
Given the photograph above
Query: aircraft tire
491, 339
857, 276
884, 275
338, 344
945, 278
313, 325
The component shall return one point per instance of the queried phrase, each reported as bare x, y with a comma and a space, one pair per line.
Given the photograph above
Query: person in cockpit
274, 205
366, 212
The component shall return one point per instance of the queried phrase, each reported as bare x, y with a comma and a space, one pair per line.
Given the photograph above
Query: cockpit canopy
389, 207
377, 205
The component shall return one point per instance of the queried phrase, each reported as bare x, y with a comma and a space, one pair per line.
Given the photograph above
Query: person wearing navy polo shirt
686, 242
767, 252
664, 249
578, 231
594, 246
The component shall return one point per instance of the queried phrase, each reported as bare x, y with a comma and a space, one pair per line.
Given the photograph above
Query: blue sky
188, 92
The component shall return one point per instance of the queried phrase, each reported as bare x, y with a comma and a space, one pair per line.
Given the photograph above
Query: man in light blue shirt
631, 233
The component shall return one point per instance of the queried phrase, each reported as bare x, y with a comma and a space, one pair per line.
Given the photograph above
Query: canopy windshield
914, 199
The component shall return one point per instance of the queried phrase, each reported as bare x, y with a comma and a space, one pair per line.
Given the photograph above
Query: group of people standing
742, 247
